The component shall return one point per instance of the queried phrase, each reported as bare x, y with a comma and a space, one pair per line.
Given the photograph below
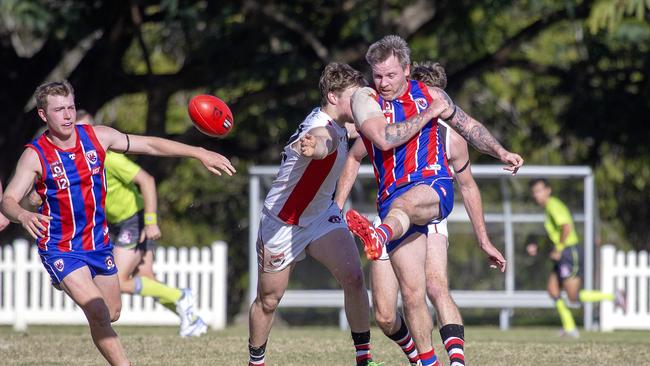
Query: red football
210, 115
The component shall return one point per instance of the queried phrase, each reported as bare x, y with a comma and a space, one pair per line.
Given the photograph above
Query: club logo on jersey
109, 262
91, 156
334, 219
58, 264
388, 112
421, 102
57, 169
277, 260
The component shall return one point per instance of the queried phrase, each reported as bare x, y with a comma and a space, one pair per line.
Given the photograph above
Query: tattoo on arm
475, 133
399, 133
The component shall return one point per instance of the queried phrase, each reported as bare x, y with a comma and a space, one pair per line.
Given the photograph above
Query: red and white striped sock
404, 340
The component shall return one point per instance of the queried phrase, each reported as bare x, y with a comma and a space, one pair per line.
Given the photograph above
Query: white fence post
21, 248
219, 284
607, 263
630, 272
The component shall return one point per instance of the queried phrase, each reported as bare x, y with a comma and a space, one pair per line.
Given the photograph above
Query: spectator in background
567, 257
131, 205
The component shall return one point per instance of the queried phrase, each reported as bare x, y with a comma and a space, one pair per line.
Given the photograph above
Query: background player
66, 164
384, 284
567, 257
131, 205
299, 216
398, 123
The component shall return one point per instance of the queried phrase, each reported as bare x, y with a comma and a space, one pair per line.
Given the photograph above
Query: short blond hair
336, 78
430, 73
390, 45
44, 90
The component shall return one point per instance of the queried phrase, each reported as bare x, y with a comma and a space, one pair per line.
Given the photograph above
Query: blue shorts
444, 186
60, 264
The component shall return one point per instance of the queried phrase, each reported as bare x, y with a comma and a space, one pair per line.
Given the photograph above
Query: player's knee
353, 279
268, 303
98, 313
413, 298
385, 319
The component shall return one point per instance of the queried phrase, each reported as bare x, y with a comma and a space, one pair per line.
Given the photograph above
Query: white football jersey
304, 187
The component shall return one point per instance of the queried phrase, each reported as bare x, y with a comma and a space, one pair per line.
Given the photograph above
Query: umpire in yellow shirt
131, 204
567, 257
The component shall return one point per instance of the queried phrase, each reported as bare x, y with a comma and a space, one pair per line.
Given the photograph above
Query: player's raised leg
80, 286
449, 318
408, 261
418, 205
337, 251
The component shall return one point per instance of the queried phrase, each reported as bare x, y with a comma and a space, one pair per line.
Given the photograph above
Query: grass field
486, 346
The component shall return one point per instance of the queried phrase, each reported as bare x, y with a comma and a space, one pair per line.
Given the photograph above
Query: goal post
261, 177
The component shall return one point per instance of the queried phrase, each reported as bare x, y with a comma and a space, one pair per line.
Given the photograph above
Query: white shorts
280, 244
433, 228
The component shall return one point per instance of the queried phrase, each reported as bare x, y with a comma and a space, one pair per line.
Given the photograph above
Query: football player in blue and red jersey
65, 165
398, 124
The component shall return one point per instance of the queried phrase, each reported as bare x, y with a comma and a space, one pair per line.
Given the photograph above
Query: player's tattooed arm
399, 133
476, 134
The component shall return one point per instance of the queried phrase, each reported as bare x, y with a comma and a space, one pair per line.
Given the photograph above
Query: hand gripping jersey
304, 187
423, 156
72, 188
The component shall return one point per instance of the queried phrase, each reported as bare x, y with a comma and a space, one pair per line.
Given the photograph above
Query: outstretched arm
317, 143
349, 173
371, 122
135, 144
472, 201
476, 134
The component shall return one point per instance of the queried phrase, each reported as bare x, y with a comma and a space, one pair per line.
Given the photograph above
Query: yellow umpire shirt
123, 199
557, 214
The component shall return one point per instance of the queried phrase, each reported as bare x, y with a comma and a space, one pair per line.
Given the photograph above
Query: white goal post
508, 299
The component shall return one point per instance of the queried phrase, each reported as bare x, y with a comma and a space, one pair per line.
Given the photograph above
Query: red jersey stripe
306, 188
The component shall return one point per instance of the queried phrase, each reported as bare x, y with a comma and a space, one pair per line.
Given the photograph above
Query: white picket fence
629, 271
27, 296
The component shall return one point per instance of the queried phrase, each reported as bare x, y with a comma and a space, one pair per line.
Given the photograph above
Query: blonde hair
336, 78
388, 46
44, 90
